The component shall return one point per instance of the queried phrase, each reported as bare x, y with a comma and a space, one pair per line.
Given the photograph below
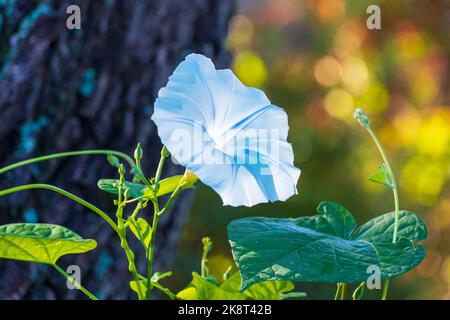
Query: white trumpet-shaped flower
227, 134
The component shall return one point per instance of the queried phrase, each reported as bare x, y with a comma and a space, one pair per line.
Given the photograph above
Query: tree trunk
93, 88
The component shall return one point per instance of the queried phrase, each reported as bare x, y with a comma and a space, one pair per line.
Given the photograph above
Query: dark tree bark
94, 88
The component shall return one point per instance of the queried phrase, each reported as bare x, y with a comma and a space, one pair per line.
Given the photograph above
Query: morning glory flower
229, 135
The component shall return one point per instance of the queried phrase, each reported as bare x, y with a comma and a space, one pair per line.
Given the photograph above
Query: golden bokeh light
339, 104
434, 135
241, 32
424, 178
250, 68
355, 75
328, 71
328, 10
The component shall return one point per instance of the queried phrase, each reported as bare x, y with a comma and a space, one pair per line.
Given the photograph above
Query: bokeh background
318, 60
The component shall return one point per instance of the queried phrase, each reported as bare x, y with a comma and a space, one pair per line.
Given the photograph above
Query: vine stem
338, 290
385, 289
123, 233
68, 154
151, 248
395, 193
359, 291
156, 215
74, 282
343, 290
151, 245
65, 193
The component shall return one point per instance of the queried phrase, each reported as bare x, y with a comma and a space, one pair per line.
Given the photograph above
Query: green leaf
203, 289
155, 283
160, 275
381, 176
381, 229
109, 185
307, 249
113, 160
332, 219
168, 185
267, 290
137, 190
143, 283
142, 230
43, 243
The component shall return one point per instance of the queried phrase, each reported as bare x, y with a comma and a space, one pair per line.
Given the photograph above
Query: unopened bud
165, 152
189, 178
207, 244
121, 169
362, 118
138, 153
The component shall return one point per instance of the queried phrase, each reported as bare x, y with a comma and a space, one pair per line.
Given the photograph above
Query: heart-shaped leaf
381, 176
333, 219
137, 190
142, 230
267, 290
203, 289
310, 248
43, 243
381, 228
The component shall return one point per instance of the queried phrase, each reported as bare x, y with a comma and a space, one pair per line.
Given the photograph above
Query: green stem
131, 264
338, 290
207, 247
343, 289
166, 291
63, 193
359, 291
391, 178
74, 282
385, 289
170, 200
159, 172
204, 267
158, 286
395, 193
134, 214
123, 239
134, 199
151, 247
68, 154
156, 215
290, 295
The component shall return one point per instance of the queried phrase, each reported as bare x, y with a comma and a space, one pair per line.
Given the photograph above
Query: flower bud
189, 178
362, 118
165, 152
121, 169
138, 153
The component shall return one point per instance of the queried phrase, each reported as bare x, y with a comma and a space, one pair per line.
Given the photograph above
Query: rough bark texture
64, 90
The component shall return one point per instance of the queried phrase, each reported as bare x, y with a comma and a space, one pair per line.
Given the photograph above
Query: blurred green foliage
318, 60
